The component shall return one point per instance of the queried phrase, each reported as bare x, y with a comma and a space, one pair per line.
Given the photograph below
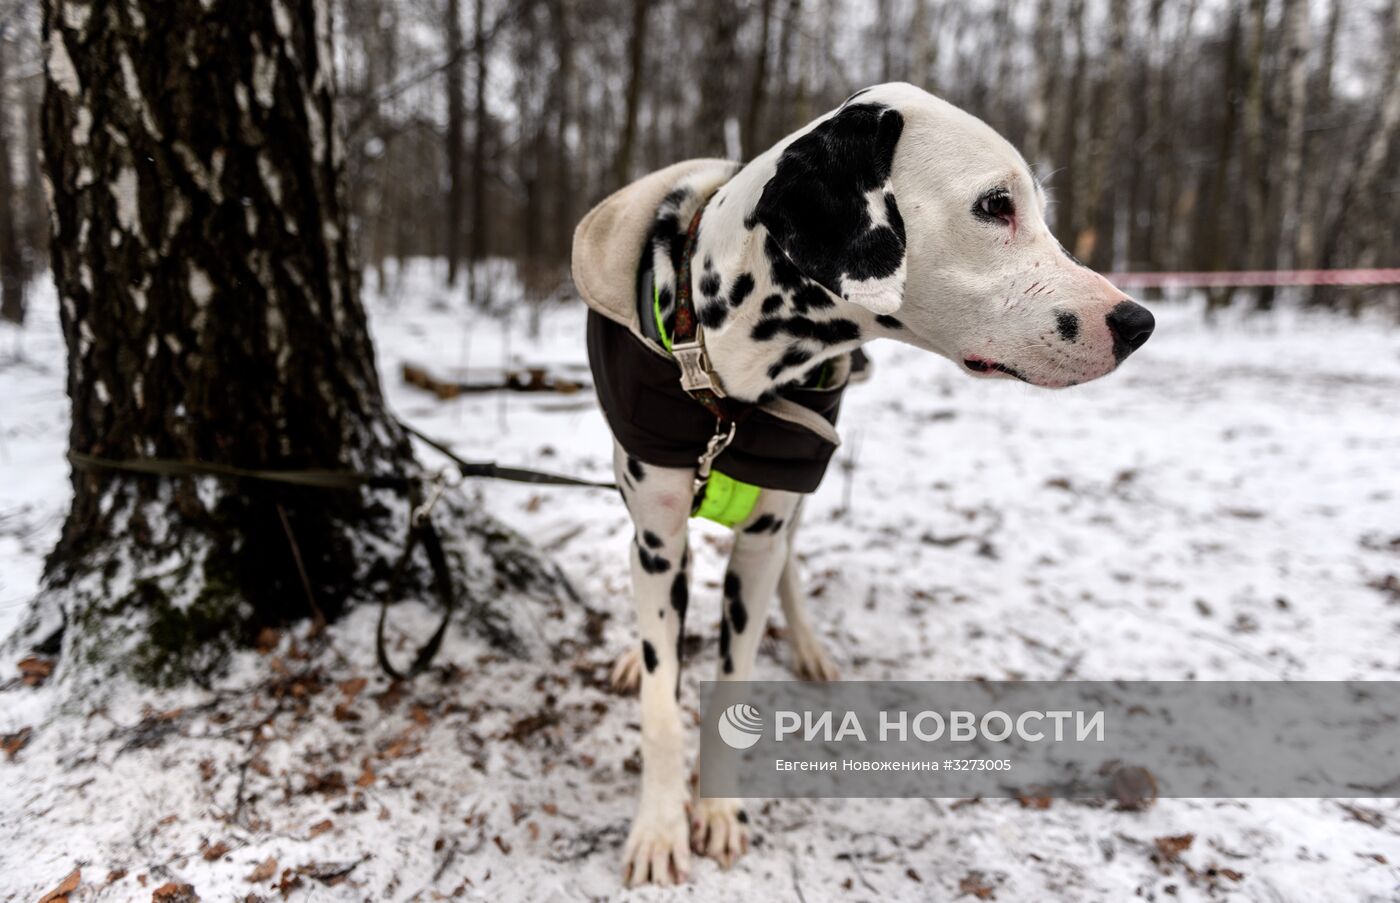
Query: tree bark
753, 117
1313, 210
477, 250
1256, 163
12, 275
1295, 68
456, 116
717, 80
1101, 147
1213, 246
636, 63
211, 314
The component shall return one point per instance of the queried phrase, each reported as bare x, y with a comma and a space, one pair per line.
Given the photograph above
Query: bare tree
480, 131
210, 308
1312, 214
636, 64
759, 83
1295, 69
12, 269
456, 117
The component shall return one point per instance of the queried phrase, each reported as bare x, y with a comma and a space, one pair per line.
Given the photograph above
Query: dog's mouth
983, 365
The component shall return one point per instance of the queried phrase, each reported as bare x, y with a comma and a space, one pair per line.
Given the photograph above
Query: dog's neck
766, 326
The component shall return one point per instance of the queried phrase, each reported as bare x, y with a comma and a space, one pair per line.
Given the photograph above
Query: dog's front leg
721, 826
658, 499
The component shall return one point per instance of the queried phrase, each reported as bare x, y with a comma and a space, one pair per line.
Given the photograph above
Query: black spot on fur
762, 525
793, 357
772, 304
738, 614
814, 207
663, 297
709, 284
741, 289
827, 332
651, 539
724, 646
652, 564
889, 322
743, 816
811, 297
649, 656
634, 467
785, 273
1067, 325
680, 593
713, 313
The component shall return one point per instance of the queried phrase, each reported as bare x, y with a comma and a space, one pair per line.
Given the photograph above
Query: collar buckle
694, 361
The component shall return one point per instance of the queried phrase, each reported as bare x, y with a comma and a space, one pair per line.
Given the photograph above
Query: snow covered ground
1226, 507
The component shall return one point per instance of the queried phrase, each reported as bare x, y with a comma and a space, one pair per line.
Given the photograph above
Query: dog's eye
995, 205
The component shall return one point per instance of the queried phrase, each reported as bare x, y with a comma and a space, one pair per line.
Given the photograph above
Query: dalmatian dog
895, 216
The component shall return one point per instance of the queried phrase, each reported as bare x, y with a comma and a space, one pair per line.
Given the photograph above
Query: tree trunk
12, 275
1213, 245
1295, 67
717, 80
1256, 163
1103, 143
456, 114
477, 250
211, 314
563, 225
636, 64
1047, 64
753, 117
1313, 210
1066, 208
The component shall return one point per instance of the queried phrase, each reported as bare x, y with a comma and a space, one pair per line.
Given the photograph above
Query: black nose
1131, 325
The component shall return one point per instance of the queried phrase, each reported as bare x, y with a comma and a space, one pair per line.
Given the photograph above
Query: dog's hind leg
809, 658
658, 499
721, 827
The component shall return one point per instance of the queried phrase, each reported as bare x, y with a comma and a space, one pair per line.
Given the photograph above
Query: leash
698, 378
421, 530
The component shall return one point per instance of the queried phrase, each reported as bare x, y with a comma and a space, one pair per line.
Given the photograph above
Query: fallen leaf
975, 884
1034, 798
501, 843
913, 875
216, 851
268, 639
367, 775
115, 875
35, 669
171, 892
321, 827
353, 687
1173, 846
264, 871
65, 887
13, 743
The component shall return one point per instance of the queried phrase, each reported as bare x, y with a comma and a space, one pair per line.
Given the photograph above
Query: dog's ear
830, 210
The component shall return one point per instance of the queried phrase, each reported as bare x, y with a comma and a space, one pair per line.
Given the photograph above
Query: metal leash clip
713, 449
446, 478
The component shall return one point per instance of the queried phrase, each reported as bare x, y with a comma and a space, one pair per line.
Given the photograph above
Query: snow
1217, 510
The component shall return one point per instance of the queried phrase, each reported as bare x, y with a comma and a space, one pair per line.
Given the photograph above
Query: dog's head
904, 205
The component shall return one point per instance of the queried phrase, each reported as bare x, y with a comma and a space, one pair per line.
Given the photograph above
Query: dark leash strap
420, 532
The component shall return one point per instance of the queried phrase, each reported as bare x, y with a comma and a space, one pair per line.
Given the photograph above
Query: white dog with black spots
894, 216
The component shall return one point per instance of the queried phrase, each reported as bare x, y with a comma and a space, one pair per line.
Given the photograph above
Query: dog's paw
627, 670
809, 659
720, 830
656, 850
